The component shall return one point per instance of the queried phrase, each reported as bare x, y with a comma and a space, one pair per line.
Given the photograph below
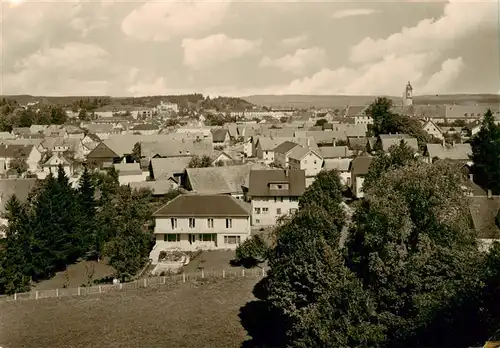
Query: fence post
121, 286
57, 292
243, 272
79, 291
145, 282
183, 277
36, 295
223, 273
15, 296
263, 272
202, 274
164, 280
100, 288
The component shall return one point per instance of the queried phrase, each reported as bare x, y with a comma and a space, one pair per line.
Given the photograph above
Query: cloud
353, 13
431, 34
215, 49
159, 21
443, 79
293, 41
298, 62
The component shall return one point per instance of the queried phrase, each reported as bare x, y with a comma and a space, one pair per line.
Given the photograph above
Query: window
207, 237
292, 210
229, 223
257, 210
257, 221
172, 237
173, 221
265, 210
294, 199
232, 239
192, 222
281, 199
315, 162
210, 223
278, 211
279, 187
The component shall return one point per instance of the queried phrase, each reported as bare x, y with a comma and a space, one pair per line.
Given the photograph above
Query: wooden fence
140, 283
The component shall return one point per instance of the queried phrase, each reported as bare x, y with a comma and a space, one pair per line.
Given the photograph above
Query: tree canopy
486, 154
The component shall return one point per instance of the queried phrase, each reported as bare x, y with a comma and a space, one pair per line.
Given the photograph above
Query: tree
13, 264
130, 242
252, 251
18, 163
83, 115
200, 162
136, 152
398, 156
321, 122
486, 154
412, 246
88, 209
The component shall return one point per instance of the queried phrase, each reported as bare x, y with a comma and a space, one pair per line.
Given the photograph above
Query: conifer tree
486, 154
14, 276
88, 205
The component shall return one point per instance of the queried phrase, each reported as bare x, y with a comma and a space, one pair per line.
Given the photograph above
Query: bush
252, 252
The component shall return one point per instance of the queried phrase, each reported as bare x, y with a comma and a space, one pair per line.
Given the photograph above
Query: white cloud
297, 62
74, 68
353, 13
389, 76
293, 41
215, 49
443, 79
431, 34
159, 21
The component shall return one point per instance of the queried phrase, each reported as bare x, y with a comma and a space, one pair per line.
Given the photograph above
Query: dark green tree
321, 122
398, 156
14, 276
486, 154
200, 162
412, 246
88, 211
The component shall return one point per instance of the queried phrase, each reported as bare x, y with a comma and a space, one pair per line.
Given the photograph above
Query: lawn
76, 275
190, 315
211, 261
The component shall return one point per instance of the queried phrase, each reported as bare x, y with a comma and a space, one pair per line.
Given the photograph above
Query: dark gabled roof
219, 135
360, 165
102, 151
285, 147
483, 212
10, 151
260, 179
195, 205
19, 187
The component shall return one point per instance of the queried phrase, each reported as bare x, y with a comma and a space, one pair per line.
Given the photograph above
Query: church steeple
408, 95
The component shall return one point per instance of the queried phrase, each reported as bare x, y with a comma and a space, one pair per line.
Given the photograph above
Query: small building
129, 173
220, 137
433, 130
455, 152
192, 222
308, 160
282, 153
359, 168
29, 153
52, 165
102, 157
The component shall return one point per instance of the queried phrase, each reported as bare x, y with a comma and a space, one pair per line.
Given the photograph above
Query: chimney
287, 173
489, 194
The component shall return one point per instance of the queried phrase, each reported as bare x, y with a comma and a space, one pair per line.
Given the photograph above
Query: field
198, 315
340, 101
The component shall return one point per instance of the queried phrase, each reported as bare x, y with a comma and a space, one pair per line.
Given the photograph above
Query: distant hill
339, 101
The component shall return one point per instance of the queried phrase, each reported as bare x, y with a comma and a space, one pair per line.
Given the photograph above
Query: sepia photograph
249, 174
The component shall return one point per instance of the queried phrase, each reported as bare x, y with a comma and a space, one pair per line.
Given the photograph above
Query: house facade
308, 160
52, 166
129, 173
192, 222
359, 168
29, 152
274, 193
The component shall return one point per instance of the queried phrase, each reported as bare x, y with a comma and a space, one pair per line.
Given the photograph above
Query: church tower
408, 96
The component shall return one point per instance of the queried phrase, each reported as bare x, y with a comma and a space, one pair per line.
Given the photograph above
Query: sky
239, 48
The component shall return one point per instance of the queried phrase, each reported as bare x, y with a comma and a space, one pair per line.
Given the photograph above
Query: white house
359, 168
52, 165
274, 193
29, 152
129, 173
433, 129
308, 160
192, 222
